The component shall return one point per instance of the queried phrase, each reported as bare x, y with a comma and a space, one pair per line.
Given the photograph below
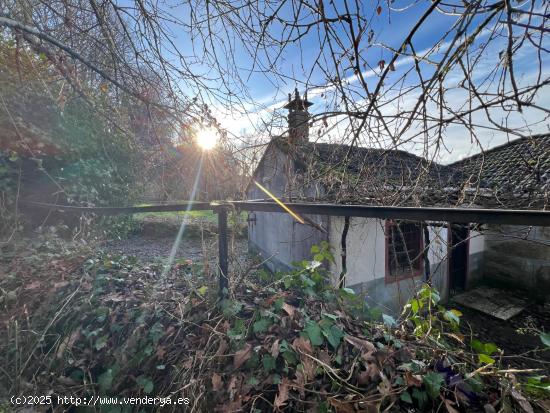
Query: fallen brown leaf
161, 351
302, 345
242, 356
282, 394
521, 400
362, 345
34, 285
222, 348
60, 284
217, 383
300, 383
275, 349
449, 405
362, 378
188, 363
234, 386
273, 298
412, 380
373, 371
289, 309
309, 368
225, 326
341, 406
324, 356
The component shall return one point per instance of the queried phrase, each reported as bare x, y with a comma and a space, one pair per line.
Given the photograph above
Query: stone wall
518, 257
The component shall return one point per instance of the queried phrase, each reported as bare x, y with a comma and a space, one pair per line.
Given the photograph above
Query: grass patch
199, 215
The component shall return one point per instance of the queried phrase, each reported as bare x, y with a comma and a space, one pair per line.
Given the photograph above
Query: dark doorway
458, 258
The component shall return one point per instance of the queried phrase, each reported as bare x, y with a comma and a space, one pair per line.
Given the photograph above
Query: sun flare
207, 138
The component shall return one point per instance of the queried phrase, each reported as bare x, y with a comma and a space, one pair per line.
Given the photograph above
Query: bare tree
376, 92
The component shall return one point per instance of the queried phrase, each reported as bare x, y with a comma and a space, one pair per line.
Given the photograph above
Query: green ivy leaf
538, 382
202, 291
388, 320
105, 380
490, 348
406, 397
477, 346
278, 304
101, 342
313, 332
475, 383
290, 357
252, 381
415, 306
484, 358
334, 335
145, 383
483, 348
319, 257
545, 338
433, 382
230, 308
421, 396
238, 331
451, 316
269, 363
261, 325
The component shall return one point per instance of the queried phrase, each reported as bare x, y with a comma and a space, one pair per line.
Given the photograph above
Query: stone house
388, 259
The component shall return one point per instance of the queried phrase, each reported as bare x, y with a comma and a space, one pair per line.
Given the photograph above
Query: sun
207, 138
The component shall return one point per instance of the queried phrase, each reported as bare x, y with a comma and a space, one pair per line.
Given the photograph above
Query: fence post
222, 250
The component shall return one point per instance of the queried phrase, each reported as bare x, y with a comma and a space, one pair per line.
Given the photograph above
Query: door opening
458, 258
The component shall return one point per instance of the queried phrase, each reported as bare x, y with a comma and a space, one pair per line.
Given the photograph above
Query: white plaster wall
477, 242
365, 249
278, 236
365, 245
437, 254
438, 244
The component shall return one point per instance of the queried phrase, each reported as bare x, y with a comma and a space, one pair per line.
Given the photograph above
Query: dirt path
154, 249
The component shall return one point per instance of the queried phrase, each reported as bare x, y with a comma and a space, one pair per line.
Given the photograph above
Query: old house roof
393, 167
515, 175
520, 165
517, 172
366, 175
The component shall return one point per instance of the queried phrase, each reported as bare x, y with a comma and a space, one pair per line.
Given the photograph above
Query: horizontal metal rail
458, 215
180, 206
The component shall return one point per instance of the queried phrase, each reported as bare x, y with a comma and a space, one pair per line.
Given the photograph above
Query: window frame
388, 277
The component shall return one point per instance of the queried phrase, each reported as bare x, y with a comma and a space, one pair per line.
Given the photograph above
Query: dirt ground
200, 247
522, 348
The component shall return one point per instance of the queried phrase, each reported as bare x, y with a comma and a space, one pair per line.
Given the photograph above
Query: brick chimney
298, 118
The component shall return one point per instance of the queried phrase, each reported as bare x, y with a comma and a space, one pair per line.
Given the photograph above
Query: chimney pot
298, 118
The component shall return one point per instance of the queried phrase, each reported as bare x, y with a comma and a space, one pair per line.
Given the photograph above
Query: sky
267, 94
